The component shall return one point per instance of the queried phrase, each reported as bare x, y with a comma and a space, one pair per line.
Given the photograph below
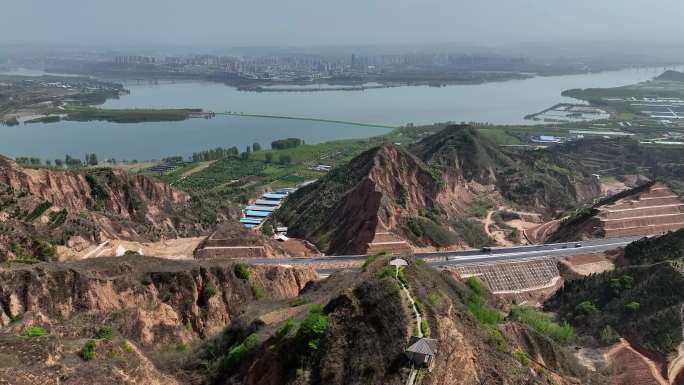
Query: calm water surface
500, 103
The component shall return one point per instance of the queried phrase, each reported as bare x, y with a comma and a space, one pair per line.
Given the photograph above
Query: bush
522, 357
608, 335
633, 306
484, 314
258, 291
424, 327
283, 144
476, 285
238, 352
105, 332
208, 291
419, 307
34, 331
285, 159
285, 330
542, 323
126, 346
241, 271
496, 338
586, 308
312, 330
87, 352
472, 232
267, 228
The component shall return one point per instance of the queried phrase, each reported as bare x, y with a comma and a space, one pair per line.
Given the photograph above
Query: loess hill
43, 208
423, 193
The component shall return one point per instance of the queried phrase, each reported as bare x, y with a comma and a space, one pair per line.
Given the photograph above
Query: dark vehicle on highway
486, 249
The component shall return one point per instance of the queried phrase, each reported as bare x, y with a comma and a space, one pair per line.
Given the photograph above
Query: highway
451, 258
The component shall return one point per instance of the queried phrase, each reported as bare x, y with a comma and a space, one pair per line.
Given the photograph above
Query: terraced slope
646, 210
654, 211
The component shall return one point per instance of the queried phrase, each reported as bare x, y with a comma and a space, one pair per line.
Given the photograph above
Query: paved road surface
450, 258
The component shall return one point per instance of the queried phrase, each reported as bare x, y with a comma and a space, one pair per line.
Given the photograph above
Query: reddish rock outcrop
158, 300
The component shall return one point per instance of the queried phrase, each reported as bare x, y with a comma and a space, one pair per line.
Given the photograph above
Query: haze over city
311, 22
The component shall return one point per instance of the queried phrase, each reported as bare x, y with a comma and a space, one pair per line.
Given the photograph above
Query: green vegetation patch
104, 332
562, 333
127, 115
312, 330
472, 232
650, 250
241, 271
34, 331
87, 352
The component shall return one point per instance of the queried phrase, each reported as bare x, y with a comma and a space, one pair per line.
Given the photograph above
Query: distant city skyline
313, 22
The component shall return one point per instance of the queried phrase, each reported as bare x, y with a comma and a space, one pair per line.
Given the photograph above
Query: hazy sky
323, 22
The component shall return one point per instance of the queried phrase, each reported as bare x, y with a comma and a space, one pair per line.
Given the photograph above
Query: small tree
256, 147
267, 228
88, 350
285, 159
269, 157
241, 271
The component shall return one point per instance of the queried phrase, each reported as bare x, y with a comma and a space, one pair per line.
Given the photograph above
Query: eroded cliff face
153, 307
377, 191
151, 300
62, 207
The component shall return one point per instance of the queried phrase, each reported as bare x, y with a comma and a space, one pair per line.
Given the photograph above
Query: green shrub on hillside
608, 336
34, 331
586, 308
285, 330
632, 306
476, 286
650, 250
562, 333
238, 352
87, 352
312, 330
104, 332
485, 314
241, 271
472, 232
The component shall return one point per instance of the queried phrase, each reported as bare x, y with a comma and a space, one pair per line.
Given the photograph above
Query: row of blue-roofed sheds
256, 213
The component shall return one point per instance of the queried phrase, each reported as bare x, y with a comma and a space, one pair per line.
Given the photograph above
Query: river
499, 103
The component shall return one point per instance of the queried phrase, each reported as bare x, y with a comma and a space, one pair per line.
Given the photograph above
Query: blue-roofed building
263, 207
270, 209
252, 221
272, 196
265, 202
257, 214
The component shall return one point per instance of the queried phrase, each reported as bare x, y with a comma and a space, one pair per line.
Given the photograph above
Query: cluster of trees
68, 161
220, 153
173, 159
283, 144
28, 161
215, 154
284, 159
91, 159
